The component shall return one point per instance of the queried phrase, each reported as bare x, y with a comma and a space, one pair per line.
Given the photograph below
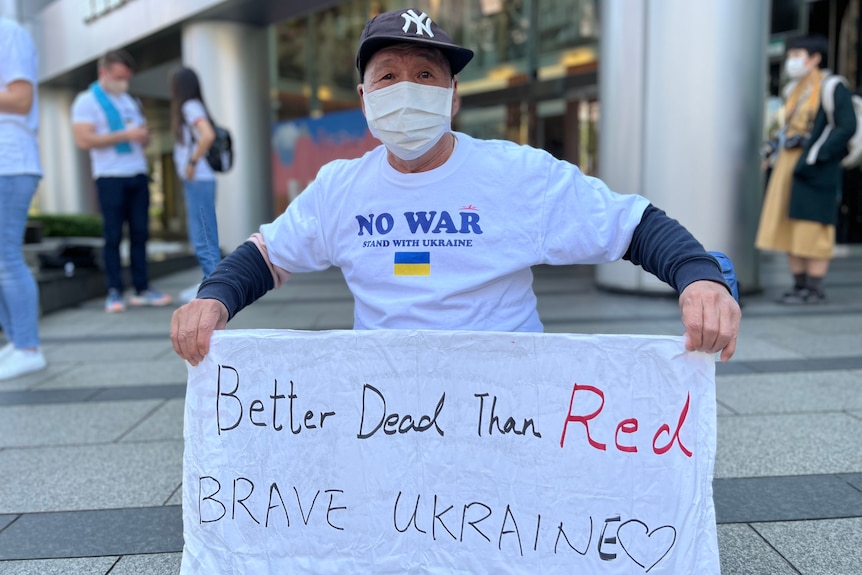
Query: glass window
785, 16
566, 24
316, 71
486, 123
315, 60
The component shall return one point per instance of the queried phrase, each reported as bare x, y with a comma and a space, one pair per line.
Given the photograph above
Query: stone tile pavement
91, 448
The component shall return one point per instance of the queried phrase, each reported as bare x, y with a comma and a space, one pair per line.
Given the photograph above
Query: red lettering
626, 426
665, 428
570, 418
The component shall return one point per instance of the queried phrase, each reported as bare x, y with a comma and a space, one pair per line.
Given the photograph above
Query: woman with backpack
194, 134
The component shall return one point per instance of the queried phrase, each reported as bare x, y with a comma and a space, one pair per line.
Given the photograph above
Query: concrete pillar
66, 186
682, 86
9, 9
231, 62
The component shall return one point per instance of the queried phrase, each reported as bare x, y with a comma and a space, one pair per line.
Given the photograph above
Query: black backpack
220, 154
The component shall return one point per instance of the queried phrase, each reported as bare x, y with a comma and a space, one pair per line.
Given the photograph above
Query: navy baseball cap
408, 25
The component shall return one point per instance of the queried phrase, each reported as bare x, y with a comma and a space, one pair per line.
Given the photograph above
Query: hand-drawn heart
644, 547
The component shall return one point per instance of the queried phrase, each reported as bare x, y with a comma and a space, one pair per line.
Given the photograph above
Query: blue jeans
202, 224
19, 293
125, 200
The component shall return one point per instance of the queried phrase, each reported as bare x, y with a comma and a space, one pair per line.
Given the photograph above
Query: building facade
281, 76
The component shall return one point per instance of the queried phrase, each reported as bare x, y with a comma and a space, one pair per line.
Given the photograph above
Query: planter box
33, 232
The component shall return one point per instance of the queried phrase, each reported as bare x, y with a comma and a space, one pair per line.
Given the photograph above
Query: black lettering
508, 426
275, 397
503, 531
433, 420
481, 397
242, 500
232, 394
391, 422
561, 533
412, 517
473, 523
373, 389
274, 489
255, 407
324, 415
405, 425
538, 525
439, 517
299, 502
309, 415
609, 540
210, 497
330, 508
291, 397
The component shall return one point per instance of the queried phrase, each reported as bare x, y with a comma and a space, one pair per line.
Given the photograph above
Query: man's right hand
86, 137
137, 134
193, 324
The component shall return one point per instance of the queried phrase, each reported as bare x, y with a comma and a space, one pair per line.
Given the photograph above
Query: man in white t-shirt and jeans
111, 125
438, 230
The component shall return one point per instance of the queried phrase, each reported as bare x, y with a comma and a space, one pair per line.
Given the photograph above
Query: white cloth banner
392, 452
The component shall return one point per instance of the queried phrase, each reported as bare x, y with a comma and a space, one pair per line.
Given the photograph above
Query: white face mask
409, 118
795, 68
116, 87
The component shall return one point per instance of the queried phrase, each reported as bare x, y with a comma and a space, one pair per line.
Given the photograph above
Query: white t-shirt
19, 148
106, 162
193, 110
468, 232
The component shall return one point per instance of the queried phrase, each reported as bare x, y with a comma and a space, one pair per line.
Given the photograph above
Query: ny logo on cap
422, 21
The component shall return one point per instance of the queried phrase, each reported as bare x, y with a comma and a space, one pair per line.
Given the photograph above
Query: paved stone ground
91, 448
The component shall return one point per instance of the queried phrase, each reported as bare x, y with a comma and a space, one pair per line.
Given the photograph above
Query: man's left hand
711, 318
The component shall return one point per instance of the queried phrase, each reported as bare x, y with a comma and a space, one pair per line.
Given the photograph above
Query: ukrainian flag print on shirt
413, 263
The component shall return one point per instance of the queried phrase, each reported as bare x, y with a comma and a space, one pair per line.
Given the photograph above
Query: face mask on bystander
116, 86
796, 67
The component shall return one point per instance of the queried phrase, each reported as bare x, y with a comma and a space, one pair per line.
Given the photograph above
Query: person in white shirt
194, 134
110, 124
435, 229
20, 172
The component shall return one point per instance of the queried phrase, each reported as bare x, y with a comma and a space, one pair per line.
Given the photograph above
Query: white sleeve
583, 220
84, 109
295, 241
18, 51
193, 110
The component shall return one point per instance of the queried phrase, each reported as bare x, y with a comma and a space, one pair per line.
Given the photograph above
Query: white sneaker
189, 294
6, 350
19, 362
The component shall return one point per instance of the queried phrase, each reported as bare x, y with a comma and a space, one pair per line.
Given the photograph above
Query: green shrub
69, 225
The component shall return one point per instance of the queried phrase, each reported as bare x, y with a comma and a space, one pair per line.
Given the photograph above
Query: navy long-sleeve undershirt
663, 247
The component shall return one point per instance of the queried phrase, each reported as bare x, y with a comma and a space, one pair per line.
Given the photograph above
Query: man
800, 208
110, 124
437, 230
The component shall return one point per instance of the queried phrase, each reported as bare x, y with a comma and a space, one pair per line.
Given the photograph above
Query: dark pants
125, 200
